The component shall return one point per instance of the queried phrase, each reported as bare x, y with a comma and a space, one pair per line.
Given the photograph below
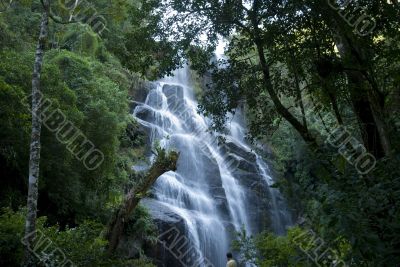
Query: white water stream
203, 191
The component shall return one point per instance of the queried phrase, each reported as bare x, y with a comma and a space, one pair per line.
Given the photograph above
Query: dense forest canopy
318, 82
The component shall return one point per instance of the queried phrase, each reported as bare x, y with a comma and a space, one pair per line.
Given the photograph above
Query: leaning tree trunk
165, 162
34, 160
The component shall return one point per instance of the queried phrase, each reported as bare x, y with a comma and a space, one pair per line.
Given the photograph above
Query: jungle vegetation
318, 81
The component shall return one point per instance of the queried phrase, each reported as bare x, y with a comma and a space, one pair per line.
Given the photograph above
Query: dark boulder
171, 90
229, 146
171, 227
236, 162
144, 113
140, 88
219, 196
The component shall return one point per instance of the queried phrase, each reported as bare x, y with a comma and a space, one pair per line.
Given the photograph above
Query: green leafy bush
11, 233
83, 245
295, 249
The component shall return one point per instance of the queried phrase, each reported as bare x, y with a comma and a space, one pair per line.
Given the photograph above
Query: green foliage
85, 77
198, 84
13, 116
166, 158
81, 38
83, 245
360, 210
86, 93
134, 35
245, 245
11, 233
300, 70
142, 226
295, 249
90, 87
282, 250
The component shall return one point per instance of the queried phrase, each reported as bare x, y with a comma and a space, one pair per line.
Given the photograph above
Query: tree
366, 96
254, 26
300, 64
165, 162
34, 161
35, 147
234, 16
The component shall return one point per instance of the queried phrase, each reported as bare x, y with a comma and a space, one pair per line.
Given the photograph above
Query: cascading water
214, 190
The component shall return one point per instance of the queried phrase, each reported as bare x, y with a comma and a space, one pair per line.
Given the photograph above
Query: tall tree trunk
34, 160
164, 163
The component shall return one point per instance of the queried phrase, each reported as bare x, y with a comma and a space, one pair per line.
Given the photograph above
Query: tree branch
165, 162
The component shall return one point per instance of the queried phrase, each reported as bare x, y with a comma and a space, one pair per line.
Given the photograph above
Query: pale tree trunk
164, 163
34, 160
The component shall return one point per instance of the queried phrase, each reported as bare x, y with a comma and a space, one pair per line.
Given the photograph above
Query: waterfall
217, 188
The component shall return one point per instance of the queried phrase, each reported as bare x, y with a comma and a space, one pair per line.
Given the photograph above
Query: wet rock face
231, 147
162, 213
221, 202
208, 172
154, 99
175, 100
212, 184
144, 113
170, 227
171, 90
140, 90
206, 167
242, 164
205, 175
